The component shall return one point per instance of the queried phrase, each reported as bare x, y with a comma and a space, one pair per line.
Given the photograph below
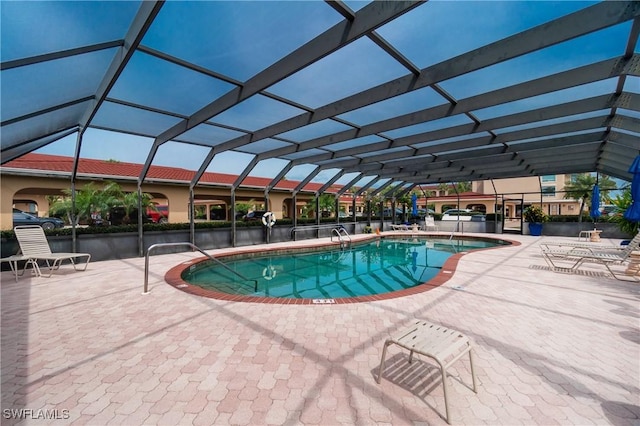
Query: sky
237, 39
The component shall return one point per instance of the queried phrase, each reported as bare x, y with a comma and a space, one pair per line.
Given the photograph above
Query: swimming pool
366, 271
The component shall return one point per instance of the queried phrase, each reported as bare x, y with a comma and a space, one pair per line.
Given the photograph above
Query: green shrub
534, 214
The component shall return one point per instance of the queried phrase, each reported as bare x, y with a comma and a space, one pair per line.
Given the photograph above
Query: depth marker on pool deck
324, 301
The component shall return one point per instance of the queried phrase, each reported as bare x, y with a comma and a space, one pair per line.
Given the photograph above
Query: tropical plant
622, 202
243, 208
581, 187
464, 186
92, 200
443, 188
405, 199
327, 203
428, 193
534, 214
129, 201
89, 200
375, 203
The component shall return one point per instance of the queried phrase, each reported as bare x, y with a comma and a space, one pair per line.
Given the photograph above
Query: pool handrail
340, 232
459, 225
194, 247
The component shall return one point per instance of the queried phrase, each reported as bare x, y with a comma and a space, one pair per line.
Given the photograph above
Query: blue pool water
377, 267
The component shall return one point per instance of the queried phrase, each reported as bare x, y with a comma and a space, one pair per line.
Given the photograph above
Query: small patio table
592, 235
444, 345
13, 264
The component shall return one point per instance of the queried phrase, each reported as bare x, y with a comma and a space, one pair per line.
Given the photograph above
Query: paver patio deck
90, 348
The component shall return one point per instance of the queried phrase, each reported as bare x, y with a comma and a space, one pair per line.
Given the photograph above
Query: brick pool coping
174, 276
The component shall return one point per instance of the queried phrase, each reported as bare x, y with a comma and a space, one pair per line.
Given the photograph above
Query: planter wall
125, 245
572, 229
450, 226
102, 246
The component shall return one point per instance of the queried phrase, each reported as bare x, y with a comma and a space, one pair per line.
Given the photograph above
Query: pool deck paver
549, 348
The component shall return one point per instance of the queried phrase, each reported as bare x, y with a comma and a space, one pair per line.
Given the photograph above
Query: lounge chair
34, 246
577, 254
400, 227
632, 245
430, 223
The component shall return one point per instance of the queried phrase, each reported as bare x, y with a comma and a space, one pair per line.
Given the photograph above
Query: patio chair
430, 223
34, 246
578, 254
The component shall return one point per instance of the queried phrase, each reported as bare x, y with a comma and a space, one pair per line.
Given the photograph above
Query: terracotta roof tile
58, 163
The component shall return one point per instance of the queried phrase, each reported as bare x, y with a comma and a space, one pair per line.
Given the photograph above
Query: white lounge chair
553, 245
34, 246
400, 227
430, 224
569, 245
578, 254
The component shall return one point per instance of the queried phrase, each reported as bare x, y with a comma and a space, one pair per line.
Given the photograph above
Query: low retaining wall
572, 229
125, 245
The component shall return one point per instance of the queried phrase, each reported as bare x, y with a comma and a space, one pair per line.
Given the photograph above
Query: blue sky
238, 39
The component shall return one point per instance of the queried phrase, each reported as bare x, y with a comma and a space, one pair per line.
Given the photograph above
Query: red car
158, 215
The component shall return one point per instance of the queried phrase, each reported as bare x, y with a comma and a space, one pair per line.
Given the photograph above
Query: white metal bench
444, 345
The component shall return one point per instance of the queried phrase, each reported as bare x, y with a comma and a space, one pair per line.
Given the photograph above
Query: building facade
29, 182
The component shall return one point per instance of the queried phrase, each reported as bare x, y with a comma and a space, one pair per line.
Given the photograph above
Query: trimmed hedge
113, 229
574, 218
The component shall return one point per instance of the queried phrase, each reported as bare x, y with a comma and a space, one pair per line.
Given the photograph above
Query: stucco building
29, 180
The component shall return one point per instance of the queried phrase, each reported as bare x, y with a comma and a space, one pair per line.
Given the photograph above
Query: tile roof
88, 166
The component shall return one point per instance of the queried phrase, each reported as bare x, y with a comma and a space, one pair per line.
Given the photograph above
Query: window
549, 191
548, 178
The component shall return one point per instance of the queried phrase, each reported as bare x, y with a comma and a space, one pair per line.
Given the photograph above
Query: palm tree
622, 202
429, 193
443, 188
464, 186
129, 202
375, 203
243, 208
581, 186
405, 200
89, 199
326, 203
